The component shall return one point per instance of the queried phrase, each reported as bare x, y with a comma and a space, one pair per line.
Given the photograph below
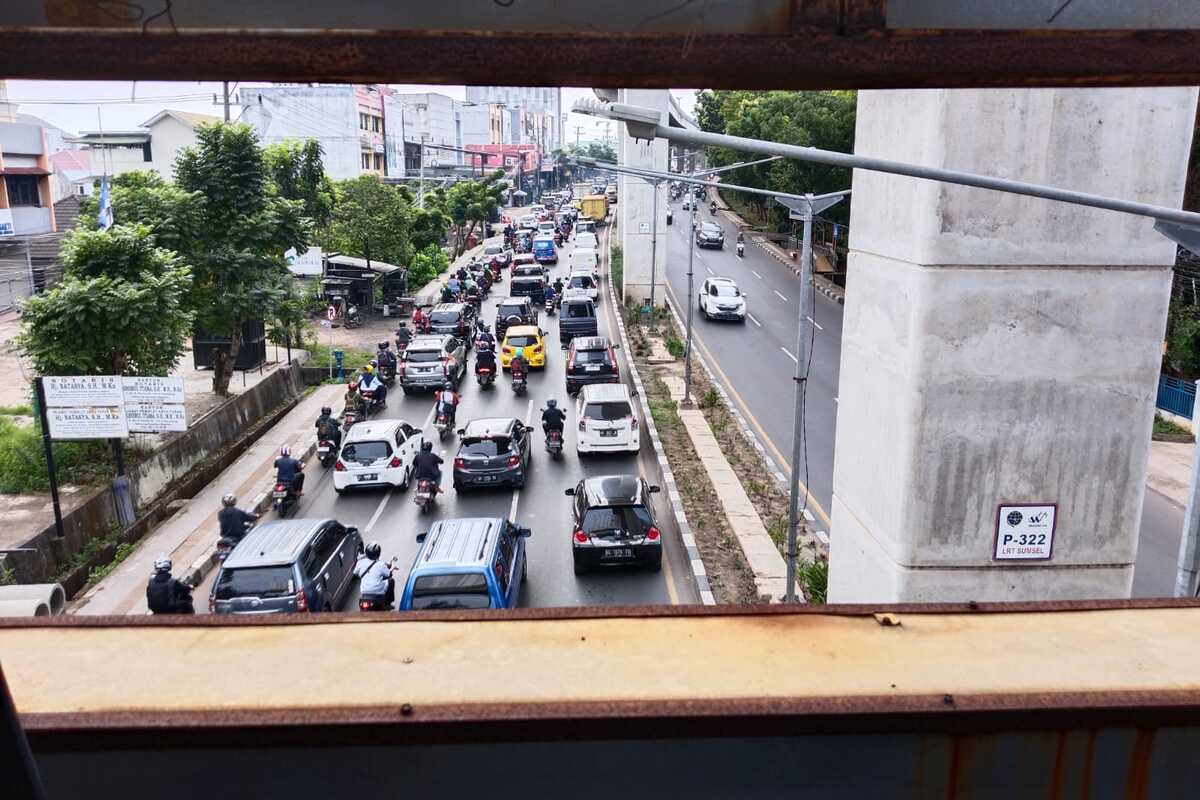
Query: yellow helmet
368, 369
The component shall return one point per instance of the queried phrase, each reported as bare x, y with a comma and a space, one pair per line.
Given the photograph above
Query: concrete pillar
1001, 350
635, 199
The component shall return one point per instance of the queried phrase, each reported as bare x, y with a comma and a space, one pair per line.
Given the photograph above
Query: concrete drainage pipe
50, 594
25, 607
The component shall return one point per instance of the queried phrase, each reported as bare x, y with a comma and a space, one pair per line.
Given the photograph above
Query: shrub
674, 347
23, 461
814, 579
617, 267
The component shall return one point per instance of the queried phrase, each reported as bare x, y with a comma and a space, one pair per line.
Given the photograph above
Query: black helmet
229, 500
326, 411
384, 345
373, 551
427, 447
551, 403
162, 564
448, 386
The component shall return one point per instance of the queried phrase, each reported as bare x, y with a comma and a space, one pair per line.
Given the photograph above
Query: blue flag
105, 216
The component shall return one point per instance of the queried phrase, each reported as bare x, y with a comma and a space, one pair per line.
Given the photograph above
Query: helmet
385, 344
427, 447
162, 564
369, 368
326, 411
352, 386
229, 500
285, 451
448, 386
551, 403
373, 551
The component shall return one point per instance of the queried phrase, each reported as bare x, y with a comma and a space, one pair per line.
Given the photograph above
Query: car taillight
338, 466
301, 601
652, 535
537, 349
514, 461
394, 463
446, 366
460, 463
582, 537
582, 424
571, 360
400, 368
364, 605
612, 359
212, 605
506, 349
633, 421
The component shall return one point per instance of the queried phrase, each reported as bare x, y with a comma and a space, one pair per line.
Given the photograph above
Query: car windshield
419, 356
581, 282
458, 590
274, 581
708, 227
577, 310
366, 452
510, 311
591, 356
521, 341
493, 250
608, 411
726, 290
528, 270
444, 317
632, 519
497, 445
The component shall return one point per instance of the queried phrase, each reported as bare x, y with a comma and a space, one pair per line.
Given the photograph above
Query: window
146, 155
456, 590
363, 122
366, 160
376, 124
611, 411
255, 582
633, 520
486, 448
400, 435
23, 190
379, 161
366, 452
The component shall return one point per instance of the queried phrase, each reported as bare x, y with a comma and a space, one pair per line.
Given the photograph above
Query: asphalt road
755, 364
394, 520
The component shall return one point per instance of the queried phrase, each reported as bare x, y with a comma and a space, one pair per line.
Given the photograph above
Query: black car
455, 319
576, 317
514, 311
530, 271
590, 359
710, 235
614, 524
531, 286
430, 360
493, 451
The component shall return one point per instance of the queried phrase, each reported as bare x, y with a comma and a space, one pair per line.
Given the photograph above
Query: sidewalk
1170, 470
189, 537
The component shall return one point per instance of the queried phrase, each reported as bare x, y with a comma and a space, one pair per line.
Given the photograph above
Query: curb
699, 573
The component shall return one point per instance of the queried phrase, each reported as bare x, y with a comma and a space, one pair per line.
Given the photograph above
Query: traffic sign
331, 313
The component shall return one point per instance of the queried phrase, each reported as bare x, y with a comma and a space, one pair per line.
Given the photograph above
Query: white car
607, 422
586, 239
584, 226
583, 281
545, 229
529, 222
720, 298
377, 453
536, 209
584, 258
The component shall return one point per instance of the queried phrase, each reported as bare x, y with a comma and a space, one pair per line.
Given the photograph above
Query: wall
328, 114
635, 202
998, 349
29, 220
167, 138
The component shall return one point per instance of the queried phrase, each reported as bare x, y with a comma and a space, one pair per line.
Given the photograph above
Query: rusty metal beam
810, 57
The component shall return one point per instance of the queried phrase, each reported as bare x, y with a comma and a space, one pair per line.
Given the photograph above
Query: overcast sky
78, 106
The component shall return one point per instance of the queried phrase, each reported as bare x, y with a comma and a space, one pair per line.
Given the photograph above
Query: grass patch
101, 571
616, 266
813, 577
352, 359
23, 460
90, 550
1162, 425
674, 347
16, 411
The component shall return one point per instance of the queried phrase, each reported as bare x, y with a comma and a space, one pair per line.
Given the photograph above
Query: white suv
378, 453
607, 422
720, 298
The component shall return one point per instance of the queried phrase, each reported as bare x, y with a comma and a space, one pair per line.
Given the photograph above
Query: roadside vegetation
1166, 427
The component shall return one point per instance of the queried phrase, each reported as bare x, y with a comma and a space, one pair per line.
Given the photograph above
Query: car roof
613, 490
722, 279
591, 250
459, 307
273, 543
373, 429
522, 330
590, 343
488, 426
544, 238
602, 392
428, 341
527, 278
576, 298
709, 225
467, 541
515, 301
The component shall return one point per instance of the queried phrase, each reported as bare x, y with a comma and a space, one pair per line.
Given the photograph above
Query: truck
595, 208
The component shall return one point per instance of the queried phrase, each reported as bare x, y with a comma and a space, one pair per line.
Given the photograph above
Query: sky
78, 106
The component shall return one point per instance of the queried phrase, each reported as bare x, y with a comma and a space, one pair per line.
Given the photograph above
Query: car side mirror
655, 488
351, 531
421, 537
524, 532
529, 429
461, 431
570, 492
616, 346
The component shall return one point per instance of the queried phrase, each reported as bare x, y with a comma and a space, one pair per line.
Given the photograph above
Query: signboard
306, 263
155, 417
331, 313
1025, 531
104, 422
643, 227
152, 389
6, 222
83, 391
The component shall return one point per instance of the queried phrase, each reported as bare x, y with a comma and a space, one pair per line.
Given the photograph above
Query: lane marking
751, 318
512, 510
816, 324
379, 510
710, 272
672, 595
781, 297
789, 355
757, 275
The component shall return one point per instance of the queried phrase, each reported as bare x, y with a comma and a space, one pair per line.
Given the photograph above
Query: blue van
543, 250
475, 562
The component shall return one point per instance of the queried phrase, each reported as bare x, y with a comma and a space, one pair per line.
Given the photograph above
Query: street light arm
738, 165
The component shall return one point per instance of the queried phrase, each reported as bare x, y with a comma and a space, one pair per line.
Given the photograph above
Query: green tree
121, 308
427, 265
371, 220
429, 226
470, 204
173, 216
298, 172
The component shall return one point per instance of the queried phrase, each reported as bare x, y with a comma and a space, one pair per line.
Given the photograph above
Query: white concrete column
1001, 350
635, 200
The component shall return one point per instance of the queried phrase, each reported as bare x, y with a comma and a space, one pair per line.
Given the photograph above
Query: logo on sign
1015, 517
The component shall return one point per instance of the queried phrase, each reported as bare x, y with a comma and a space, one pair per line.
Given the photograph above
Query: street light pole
653, 244
687, 351
802, 350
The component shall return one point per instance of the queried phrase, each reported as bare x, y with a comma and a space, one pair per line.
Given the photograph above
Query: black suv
455, 319
492, 452
522, 308
590, 359
531, 286
710, 235
614, 523
576, 317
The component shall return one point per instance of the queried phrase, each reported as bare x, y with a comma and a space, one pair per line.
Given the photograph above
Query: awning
381, 267
23, 171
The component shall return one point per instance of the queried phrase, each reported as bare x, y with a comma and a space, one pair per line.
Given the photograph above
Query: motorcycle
226, 544
550, 306
741, 249
326, 452
377, 602
349, 418
518, 385
352, 319
712, 209
369, 396
554, 443
558, 239
387, 370
425, 495
484, 376
284, 499
442, 423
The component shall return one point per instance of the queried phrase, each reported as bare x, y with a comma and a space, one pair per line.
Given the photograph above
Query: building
171, 132
73, 175
540, 102
116, 152
433, 122
26, 195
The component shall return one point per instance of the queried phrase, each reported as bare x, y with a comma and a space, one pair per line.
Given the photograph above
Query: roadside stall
369, 286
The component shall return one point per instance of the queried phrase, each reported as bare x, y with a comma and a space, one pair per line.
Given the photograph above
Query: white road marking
789, 355
752, 319
757, 275
710, 272
808, 515
512, 510
379, 510
816, 324
781, 297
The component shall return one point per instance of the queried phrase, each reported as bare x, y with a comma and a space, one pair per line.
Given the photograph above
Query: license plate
592, 368
611, 432
369, 476
323, 450
279, 495
488, 478
618, 552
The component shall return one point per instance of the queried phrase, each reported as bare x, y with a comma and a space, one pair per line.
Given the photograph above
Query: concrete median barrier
51, 595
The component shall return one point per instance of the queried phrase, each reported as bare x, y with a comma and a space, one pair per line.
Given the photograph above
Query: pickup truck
576, 317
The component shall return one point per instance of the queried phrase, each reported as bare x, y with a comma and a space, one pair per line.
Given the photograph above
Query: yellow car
526, 340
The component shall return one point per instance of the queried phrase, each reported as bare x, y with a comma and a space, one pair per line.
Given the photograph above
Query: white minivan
377, 453
607, 422
584, 282
586, 239
584, 258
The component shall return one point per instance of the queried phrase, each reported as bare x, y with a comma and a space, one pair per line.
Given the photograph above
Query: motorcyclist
165, 594
375, 576
558, 286
289, 471
712, 208
484, 340
462, 273
354, 401
403, 336
450, 291
427, 466
418, 319
370, 381
485, 357
233, 520
553, 418
328, 428
518, 368
446, 400
548, 294
386, 357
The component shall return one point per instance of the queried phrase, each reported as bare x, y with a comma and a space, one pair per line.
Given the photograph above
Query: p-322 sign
1025, 532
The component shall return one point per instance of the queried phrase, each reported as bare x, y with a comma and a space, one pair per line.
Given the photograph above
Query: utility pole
687, 353
1189, 544
801, 376
654, 243
225, 85
578, 130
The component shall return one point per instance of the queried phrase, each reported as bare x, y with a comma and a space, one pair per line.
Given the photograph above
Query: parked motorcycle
352, 319
284, 499
425, 495
554, 443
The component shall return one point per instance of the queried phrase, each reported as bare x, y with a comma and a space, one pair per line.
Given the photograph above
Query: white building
431, 121
170, 132
153, 146
328, 114
544, 102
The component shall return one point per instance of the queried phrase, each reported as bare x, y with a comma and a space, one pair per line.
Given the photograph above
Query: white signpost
154, 404
83, 422
1025, 532
83, 390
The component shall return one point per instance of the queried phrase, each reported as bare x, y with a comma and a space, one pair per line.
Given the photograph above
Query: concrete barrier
52, 594
26, 607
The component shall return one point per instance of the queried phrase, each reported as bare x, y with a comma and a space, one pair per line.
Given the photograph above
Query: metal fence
1175, 395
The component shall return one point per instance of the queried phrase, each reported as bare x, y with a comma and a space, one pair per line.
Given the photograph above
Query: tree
429, 226
121, 308
172, 215
298, 172
472, 203
371, 220
427, 265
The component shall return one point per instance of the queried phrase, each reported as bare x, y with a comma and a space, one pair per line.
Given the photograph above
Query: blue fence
1176, 396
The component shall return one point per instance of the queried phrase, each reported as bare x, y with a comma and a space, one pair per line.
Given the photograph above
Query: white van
585, 258
582, 281
587, 239
607, 421
377, 453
